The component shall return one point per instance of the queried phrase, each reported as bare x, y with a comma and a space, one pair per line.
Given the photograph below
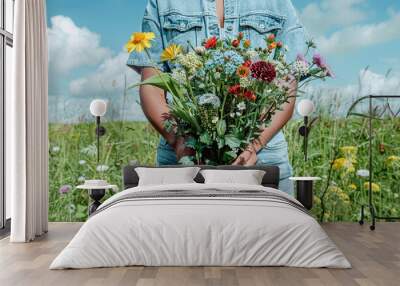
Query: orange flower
272, 46
243, 71
246, 43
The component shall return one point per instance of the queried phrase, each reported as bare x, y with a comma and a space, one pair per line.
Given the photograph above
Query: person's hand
247, 158
181, 149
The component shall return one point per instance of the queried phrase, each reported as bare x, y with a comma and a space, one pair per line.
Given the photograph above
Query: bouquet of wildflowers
225, 92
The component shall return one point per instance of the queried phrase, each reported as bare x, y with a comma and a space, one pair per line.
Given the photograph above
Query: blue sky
87, 37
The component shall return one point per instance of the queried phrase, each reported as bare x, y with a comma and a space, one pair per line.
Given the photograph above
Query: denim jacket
180, 21
177, 21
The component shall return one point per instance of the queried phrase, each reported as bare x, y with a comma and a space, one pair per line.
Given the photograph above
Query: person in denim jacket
177, 21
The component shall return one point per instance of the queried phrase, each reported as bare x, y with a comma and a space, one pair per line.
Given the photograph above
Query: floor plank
375, 257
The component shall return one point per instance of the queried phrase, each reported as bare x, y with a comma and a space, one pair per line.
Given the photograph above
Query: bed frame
270, 179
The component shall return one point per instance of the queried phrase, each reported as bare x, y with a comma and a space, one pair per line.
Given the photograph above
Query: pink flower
319, 61
64, 189
301, 58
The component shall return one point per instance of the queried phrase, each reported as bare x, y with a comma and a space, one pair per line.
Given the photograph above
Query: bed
198, 224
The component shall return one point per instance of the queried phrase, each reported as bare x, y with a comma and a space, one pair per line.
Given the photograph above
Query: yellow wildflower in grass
343, 164
375, 187
342, 195
393, 161
171, 52
139, 41
349, 152
353, 187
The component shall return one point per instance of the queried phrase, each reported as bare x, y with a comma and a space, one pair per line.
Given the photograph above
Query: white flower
81, 179
217, 75
179, 75
363, 173
191, 61
245, 82
90, 150
215, 120
238, 113
253, 55
202, 85
209, 98
300, 68
232, 114
241, 106
200, 50
102, 168
55, 149
82, 162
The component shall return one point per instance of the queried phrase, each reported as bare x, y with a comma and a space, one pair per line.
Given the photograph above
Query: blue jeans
275, 153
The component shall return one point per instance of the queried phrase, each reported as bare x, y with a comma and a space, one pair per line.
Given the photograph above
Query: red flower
211, 43
279, 44
236, 43
247, 63
234, 89
240, 36
249, 95
271, 38
263, 70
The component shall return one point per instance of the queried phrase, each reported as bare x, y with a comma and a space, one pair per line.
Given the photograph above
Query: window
6, 44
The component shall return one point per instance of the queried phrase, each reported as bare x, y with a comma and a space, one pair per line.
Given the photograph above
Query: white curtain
26, 127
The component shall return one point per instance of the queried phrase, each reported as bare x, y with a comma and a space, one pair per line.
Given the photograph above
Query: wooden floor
375, 257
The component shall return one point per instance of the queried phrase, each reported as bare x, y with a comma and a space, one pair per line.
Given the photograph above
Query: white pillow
166, 176
248, 177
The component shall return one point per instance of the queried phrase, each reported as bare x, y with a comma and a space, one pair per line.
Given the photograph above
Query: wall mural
221, 93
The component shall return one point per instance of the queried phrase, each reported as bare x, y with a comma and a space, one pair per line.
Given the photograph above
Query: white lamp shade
305, 107
98, 107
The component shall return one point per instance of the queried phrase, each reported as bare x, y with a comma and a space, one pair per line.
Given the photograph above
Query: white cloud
360, 36
107, 79
108, 82
319, 18
337, 100
71, 47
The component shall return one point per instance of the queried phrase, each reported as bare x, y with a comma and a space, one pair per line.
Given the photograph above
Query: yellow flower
393, 160
349, 149
343, 164
139, 41
375, 187
352, 187
170, 53
349, 152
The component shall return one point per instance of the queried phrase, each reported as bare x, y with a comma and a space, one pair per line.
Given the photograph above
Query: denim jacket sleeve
151, 23
293, 34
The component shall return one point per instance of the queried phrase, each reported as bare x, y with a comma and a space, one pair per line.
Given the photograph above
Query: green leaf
232, 141
221, 127
229, 156
163, 81
221, 143
190, 143
205, 138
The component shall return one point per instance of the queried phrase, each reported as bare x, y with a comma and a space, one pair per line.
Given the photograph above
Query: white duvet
200, 231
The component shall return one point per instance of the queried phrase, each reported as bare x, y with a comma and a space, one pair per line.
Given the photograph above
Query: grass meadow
338, 150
